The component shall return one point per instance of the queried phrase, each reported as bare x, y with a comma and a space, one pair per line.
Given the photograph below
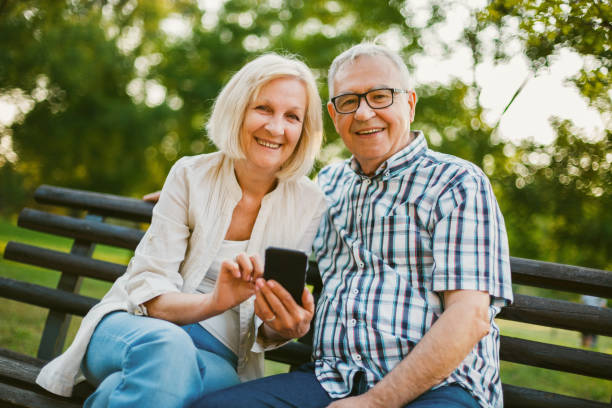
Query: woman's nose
275, 126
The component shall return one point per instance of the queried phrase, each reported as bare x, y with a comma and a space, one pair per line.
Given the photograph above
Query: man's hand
276, 307
151, 197
459, 328
236, 281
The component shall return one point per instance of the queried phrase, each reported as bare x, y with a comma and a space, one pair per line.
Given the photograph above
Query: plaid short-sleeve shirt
388, 247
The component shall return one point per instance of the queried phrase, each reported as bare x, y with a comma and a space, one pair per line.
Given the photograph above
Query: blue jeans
301, 389
138, 361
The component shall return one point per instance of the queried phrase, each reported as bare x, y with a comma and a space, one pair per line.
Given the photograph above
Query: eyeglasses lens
376, 99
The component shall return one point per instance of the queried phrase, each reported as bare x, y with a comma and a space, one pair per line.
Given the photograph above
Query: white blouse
187, 228
225, 326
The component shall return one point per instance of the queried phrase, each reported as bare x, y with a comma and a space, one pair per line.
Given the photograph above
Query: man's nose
364, 112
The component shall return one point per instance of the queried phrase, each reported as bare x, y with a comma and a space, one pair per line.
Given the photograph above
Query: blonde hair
225, 124
368, 49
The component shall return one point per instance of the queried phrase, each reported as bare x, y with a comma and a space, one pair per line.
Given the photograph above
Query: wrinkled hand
236, 281
276, 307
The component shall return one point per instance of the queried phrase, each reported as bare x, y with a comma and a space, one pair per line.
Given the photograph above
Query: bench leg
57, 324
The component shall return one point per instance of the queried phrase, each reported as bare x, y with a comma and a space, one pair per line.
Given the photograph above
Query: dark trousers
301, 389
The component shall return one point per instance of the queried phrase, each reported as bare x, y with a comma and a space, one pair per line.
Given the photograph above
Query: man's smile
370, 131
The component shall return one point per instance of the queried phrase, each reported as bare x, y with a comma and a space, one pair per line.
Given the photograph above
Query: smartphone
287, 267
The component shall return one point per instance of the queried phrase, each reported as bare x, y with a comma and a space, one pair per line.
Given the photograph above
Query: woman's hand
236, 281
276, 307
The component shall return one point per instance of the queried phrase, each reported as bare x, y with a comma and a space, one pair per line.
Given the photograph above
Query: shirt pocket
405, 248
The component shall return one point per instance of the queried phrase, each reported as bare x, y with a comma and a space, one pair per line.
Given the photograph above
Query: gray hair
369, 49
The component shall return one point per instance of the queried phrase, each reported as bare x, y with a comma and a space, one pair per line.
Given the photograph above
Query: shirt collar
399, 161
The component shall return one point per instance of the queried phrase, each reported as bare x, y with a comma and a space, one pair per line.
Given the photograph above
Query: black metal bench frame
17, 372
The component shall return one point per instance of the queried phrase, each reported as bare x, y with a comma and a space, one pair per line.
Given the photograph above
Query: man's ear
412, 101
332, 113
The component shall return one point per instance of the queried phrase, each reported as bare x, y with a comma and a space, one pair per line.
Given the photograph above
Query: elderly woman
181, 321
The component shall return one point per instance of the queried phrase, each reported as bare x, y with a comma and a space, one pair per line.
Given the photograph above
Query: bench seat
17, 372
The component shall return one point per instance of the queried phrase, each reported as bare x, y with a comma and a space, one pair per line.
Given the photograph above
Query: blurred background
107, 95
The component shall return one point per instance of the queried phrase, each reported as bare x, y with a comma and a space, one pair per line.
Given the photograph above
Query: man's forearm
434, 358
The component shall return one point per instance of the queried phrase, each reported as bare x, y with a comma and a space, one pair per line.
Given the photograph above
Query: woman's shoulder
200, 161
195, 167
305, 191
306, 185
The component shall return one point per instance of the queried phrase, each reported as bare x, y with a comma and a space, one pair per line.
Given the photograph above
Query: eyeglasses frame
364, 96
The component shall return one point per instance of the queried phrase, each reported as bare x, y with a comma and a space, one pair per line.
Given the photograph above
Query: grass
21, 324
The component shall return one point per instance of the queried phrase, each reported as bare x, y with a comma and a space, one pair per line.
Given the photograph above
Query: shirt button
353, 322
367, 181
361, 265
358, 215
355, 291
357, 357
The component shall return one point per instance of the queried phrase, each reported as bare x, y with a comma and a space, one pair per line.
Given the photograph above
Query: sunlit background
107, 95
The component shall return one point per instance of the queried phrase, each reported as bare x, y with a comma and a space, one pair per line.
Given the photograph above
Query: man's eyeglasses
376, 99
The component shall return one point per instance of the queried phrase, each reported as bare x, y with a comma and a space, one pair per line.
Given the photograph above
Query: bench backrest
90, 230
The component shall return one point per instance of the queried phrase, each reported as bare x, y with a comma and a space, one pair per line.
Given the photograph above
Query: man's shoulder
332, 172
449, 168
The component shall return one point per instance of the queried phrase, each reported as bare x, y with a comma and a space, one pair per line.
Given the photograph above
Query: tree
113, 98
559, 195
83, 129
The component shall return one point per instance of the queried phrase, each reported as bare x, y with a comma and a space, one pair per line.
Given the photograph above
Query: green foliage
556, 198
546, 26
83, 129
560, 197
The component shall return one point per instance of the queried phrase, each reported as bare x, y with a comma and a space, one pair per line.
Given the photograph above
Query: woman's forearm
182, 308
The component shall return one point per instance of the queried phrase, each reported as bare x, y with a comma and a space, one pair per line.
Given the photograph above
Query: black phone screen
287, 267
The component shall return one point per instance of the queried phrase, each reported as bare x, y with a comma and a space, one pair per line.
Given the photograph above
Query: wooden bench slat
46, 297
567, 278
87, 230
18, 370
560, 358
519, 397
560, 314
14, 396
543, 355
64, 262
98, 203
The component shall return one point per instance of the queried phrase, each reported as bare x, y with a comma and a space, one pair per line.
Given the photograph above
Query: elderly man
413, 255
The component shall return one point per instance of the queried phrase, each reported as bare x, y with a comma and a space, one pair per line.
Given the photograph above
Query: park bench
104, 220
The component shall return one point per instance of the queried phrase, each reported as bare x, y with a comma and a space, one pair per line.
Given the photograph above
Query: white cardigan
188, 225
